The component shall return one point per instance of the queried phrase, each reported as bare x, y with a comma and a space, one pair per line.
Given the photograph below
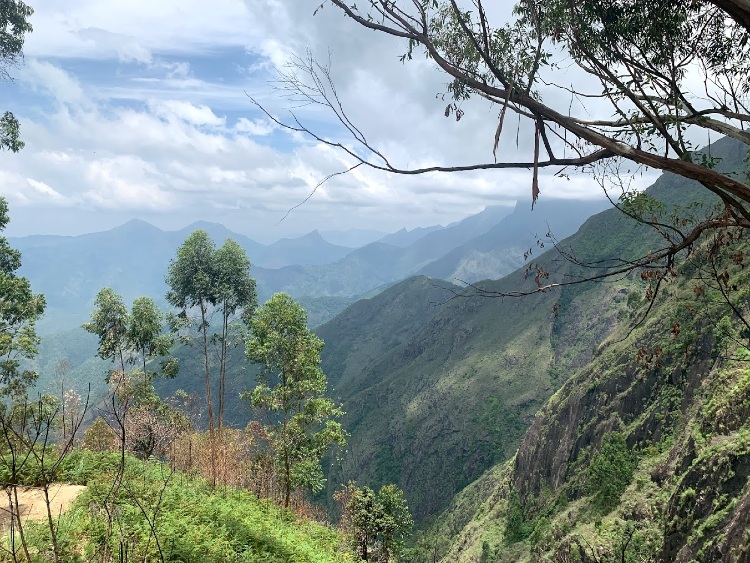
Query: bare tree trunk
209, 402
222, 374
17, 510
51, 522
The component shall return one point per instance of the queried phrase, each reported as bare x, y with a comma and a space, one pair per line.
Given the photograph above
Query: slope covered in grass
172, 516
434, 410
643, 454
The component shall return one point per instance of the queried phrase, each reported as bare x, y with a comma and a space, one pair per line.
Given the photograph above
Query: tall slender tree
192, 286
19, 310
235, 295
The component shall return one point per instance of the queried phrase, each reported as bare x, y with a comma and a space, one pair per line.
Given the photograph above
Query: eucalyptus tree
235, 295
20, 308
109, 322
128, 338
599, 85
192, 285
208, 280
302, 425
14, 23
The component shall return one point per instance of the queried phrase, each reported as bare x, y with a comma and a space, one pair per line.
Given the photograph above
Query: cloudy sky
140, 109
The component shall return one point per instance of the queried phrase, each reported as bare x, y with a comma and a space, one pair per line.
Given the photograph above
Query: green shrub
610, 471
516, 527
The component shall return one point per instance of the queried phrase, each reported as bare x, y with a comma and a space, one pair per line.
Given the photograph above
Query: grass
191, 520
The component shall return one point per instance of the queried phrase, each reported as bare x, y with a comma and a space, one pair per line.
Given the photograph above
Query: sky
141, 109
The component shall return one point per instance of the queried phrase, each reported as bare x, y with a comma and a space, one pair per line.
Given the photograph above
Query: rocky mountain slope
434, 411
643, 454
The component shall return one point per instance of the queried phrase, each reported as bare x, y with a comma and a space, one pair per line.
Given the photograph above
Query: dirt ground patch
31, 501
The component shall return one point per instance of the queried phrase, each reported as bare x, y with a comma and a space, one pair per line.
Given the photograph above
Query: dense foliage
303, 421
19, 310
377, 523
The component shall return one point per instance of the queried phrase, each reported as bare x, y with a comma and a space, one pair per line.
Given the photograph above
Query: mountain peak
137, 225
313, 235
205, 225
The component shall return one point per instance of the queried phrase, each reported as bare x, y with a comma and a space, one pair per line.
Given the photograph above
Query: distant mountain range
133, 259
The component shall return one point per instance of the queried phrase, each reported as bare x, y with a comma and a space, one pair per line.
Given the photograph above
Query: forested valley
560, 380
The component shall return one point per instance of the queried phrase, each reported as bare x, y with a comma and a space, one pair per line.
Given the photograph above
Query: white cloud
151, 116
185, 111
45, 190
132, 29
53, 80
255, 127
127, 48
125, 182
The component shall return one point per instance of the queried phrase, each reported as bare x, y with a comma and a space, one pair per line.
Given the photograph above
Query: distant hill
500, 250
309, 249
133, 259
436, 252
406, 237
451, 235
353, 238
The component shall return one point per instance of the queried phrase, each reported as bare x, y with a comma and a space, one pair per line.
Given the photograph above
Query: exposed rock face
709, 499
595, 403
700, 407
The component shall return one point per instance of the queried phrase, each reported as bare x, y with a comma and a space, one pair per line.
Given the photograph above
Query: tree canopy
14, 25
303, 425
640, 54
207, 279
377, 523
20, 308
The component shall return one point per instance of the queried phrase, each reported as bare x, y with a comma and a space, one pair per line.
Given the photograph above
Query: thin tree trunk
222, 373
145, 373
51, 521
287, 480
223, 367
20, 524
209, 403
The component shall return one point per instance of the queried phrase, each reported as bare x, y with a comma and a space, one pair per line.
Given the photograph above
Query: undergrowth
191, 520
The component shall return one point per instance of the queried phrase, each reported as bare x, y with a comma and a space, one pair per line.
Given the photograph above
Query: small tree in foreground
378, 523
301, 428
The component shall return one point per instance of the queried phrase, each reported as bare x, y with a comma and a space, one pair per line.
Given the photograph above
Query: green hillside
434, 411
642, 456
